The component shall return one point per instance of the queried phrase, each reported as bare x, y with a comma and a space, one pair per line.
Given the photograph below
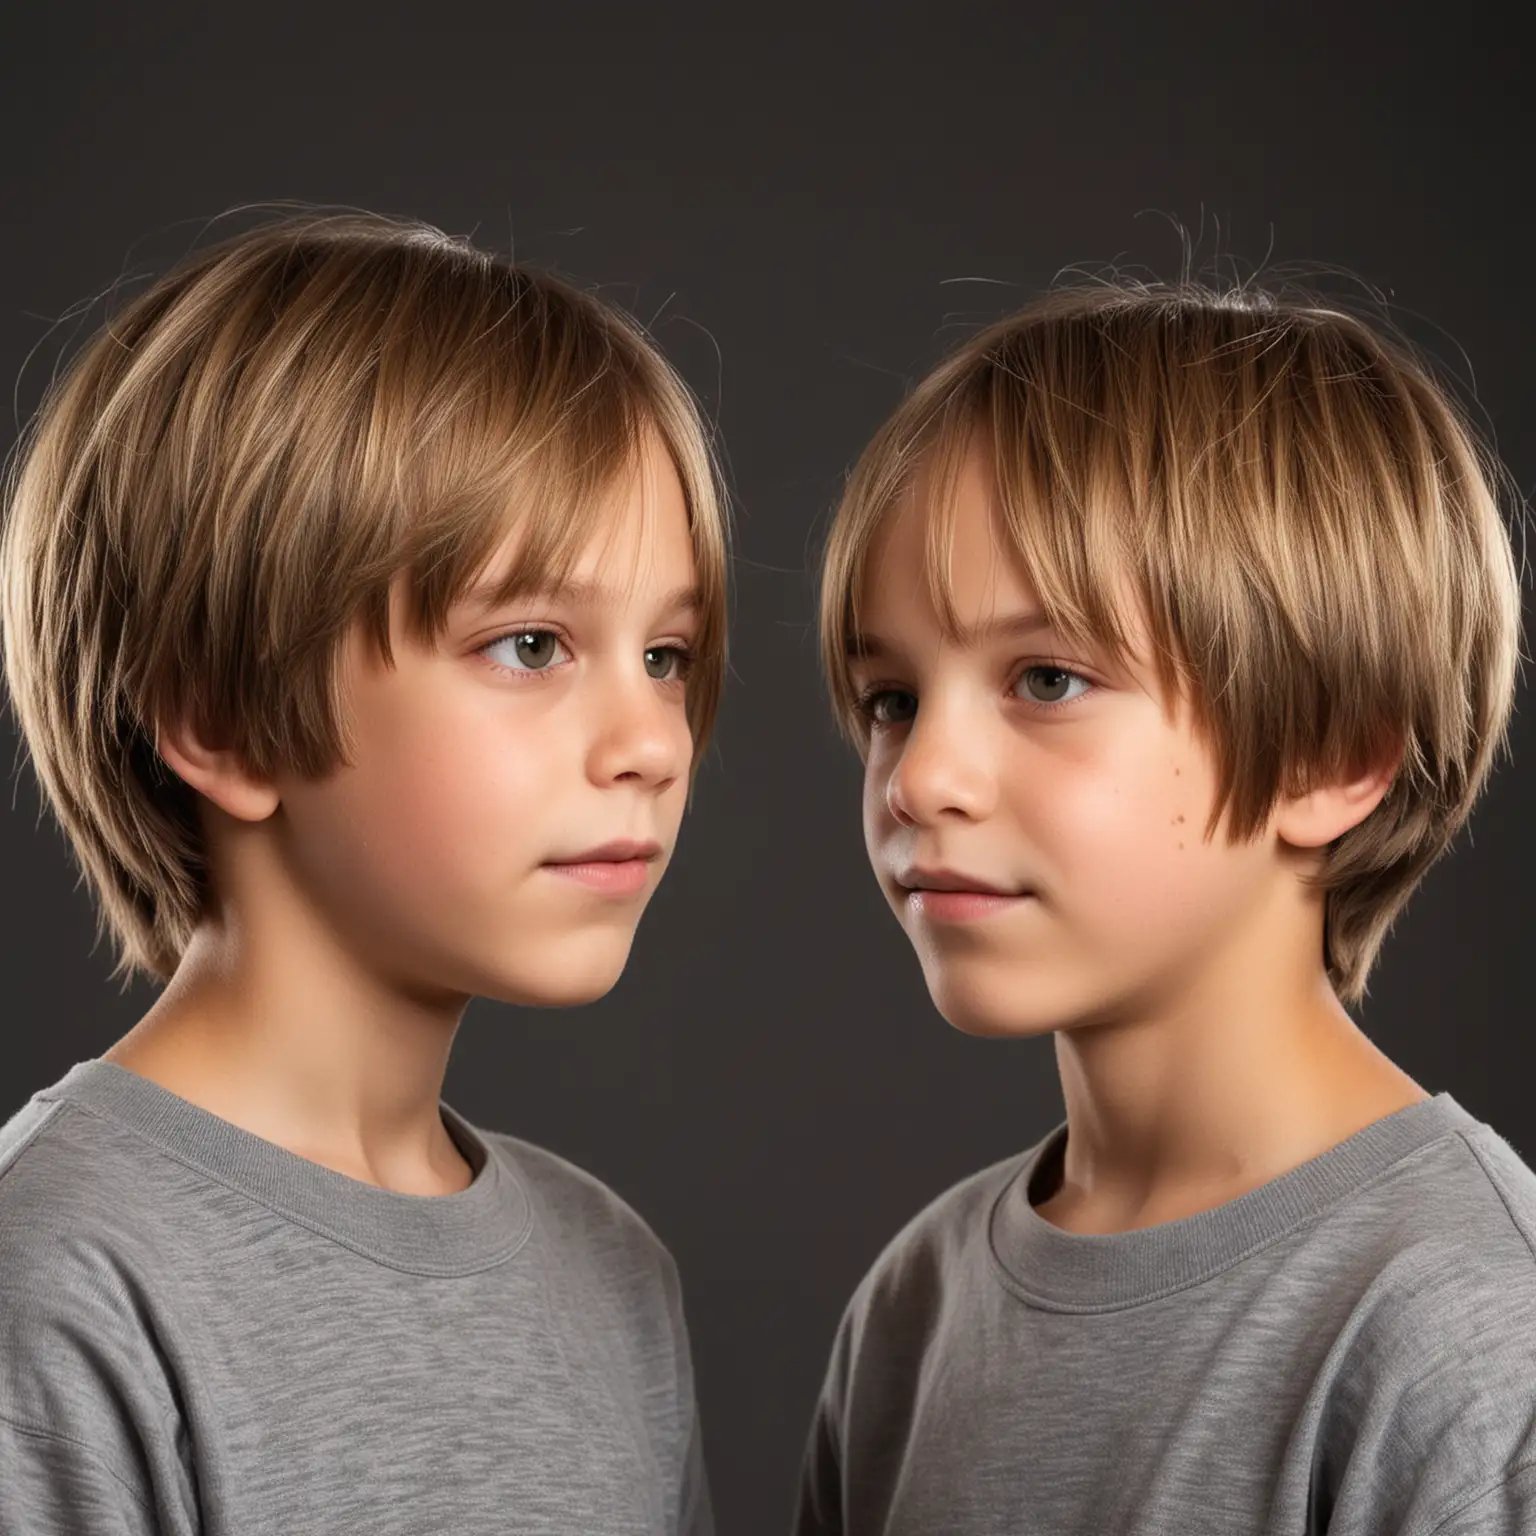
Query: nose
942, 772
641, 736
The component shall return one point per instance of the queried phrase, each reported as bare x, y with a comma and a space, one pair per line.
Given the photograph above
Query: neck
1229, 1079
270, 1023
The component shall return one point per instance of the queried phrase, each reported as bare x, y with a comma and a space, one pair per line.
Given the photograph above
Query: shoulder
577, 1200
1465, 1241
950, 1229
608, 1270
73, 1185
903, 1311
1509, 1179
1435, 1361
586, 1224
1452, 1230
79, 1356
941, 1252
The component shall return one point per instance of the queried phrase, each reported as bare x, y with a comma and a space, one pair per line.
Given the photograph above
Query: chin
555, 989
570, 992
564, 975
994, 1007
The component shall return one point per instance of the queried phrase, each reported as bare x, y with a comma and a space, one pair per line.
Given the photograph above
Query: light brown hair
1308, 523
240, 464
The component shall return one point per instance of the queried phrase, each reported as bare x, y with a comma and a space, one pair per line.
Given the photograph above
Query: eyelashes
882, 704
530, 653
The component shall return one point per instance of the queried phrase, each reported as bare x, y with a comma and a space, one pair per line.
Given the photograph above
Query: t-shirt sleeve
695, 1513
90, 1436
53, 1486
1506, 1509
1442, 1437
819, 1506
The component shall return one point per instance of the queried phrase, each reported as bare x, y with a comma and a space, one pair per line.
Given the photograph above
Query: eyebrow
867, 647
590, 594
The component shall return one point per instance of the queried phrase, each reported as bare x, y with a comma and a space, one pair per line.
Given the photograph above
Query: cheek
448, 789
1131, 840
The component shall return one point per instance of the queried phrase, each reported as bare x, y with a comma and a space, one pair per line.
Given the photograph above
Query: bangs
536, 452
479, 487
491, 479
1065, 510
454, 407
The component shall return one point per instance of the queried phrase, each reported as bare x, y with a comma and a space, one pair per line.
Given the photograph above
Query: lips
919, 878
620, 868
620, 851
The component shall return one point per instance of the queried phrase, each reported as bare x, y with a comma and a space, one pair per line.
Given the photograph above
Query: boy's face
516, 788
1061, 797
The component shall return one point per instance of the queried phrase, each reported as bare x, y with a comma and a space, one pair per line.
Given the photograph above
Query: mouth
619, 868
918, 877
950, 895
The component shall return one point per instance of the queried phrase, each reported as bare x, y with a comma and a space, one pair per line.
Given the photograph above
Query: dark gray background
797, 199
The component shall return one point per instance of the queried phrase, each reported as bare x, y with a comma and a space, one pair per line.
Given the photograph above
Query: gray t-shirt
1349, 1348
203, 1332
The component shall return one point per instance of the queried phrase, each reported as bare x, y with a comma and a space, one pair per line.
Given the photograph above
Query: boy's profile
364, 619
1178, 629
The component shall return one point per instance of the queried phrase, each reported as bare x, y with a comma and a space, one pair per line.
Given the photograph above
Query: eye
1047, 685
528, 650
887, 706
668, 663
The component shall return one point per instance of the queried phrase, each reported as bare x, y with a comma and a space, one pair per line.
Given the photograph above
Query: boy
1178, 631
364, 618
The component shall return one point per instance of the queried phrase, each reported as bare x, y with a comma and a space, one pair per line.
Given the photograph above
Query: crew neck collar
1088, 1272
451, 1234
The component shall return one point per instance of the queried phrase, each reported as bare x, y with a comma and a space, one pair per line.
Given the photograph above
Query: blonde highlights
240, 466
1308, 526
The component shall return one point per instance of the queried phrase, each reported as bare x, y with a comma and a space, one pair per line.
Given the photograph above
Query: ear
216, 773
1329, 810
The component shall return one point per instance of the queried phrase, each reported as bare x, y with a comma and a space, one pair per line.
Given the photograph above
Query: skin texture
1201, 1048
356, 915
